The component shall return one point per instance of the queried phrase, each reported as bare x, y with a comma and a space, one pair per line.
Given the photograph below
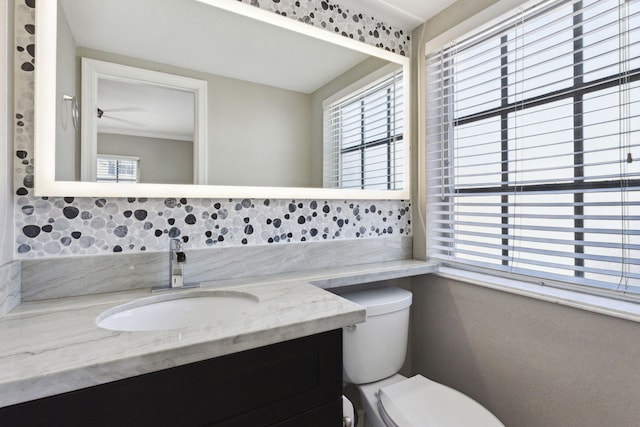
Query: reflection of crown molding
118, 157
144, 134
369, 80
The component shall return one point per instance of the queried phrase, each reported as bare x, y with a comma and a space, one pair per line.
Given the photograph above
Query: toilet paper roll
348, 412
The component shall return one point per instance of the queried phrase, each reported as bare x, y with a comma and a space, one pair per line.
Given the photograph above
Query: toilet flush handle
347, 422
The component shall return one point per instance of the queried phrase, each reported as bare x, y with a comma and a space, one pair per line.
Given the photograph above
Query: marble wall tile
69, 276
9, 286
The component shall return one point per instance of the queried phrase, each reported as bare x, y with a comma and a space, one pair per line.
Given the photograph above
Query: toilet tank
376, 349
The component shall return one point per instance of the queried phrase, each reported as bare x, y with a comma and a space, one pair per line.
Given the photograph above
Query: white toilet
373, 353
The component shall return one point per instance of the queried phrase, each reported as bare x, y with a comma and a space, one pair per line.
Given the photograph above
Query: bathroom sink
177, 310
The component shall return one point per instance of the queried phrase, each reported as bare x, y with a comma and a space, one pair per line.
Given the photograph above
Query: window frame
576, 91
117, 158
332, 170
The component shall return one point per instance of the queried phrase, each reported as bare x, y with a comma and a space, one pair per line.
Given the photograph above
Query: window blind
363, 133
532, 147
113, 168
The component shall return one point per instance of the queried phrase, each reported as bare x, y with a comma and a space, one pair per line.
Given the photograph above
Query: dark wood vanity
293, 383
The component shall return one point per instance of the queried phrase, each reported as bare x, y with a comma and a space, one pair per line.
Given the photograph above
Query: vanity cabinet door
284, 384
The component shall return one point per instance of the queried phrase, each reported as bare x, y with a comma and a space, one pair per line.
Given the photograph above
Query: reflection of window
533, 149
363, 133
118, 168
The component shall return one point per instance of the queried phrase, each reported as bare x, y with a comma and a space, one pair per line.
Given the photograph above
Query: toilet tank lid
381, 300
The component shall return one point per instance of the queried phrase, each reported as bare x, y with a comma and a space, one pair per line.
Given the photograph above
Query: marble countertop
54, 346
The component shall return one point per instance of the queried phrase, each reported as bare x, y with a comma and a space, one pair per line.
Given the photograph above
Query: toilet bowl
373, 353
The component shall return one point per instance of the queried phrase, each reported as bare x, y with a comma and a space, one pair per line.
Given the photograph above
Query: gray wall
162, 161
532, 363
257, 135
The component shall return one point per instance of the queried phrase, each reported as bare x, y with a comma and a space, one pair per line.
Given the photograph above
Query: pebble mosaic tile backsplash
56, 226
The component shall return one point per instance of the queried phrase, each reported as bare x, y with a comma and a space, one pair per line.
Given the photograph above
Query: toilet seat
420, 402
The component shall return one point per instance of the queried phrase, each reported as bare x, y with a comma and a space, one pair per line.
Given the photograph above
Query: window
533, 132
363, 137
118, 168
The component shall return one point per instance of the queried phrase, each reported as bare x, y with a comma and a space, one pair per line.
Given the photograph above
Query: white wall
162, 161
67, 138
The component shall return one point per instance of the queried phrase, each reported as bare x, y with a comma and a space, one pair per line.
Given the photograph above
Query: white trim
597, 304
87, 189
45, 96
93, 70
118, 157
145, 134
46, 185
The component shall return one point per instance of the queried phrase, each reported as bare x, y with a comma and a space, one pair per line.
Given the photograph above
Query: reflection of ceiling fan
107, 114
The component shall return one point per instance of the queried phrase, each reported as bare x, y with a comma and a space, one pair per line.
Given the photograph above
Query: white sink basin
178, 310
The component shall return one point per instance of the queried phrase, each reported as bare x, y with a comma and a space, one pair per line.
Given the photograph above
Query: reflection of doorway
133, 111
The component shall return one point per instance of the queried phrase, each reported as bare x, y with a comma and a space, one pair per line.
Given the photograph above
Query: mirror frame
45, 122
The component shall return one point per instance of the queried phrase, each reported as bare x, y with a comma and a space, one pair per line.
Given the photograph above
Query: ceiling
145, 110
405, 14
195, 36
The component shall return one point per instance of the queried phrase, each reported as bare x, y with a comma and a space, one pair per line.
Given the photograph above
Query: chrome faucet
177, 260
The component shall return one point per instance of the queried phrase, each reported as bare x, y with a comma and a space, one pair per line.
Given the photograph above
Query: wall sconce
74, 109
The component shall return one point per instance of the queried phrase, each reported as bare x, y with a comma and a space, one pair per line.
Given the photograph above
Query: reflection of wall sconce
74, 109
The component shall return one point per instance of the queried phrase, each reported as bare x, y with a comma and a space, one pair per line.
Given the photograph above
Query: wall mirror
259, 118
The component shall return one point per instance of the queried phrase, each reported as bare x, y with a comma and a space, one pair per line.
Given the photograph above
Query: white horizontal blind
364, 136
113, 168
533, 136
